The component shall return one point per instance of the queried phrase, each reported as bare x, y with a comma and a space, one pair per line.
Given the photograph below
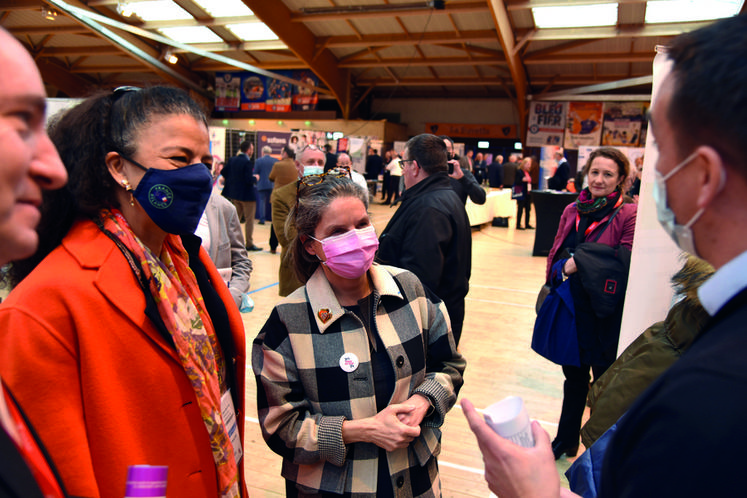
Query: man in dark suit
560, 179
697, 406
330, 158
240, 179
495, 172
28, 164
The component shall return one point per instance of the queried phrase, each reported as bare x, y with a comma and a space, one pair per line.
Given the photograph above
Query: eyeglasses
311, 180
403, 161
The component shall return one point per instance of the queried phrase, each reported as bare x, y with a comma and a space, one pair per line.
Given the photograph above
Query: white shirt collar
723, 285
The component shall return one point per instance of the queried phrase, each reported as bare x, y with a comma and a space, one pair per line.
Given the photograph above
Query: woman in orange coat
123, 344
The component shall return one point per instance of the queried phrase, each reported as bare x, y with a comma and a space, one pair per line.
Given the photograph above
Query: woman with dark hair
132, 349
357, 369
587, 220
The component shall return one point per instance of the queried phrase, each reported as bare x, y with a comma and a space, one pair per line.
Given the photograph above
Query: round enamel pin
349, 362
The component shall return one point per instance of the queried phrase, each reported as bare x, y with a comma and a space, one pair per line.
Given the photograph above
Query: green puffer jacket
649, 355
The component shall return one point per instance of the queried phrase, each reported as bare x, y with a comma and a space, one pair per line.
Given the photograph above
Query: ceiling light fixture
124, 9
49, 14
170, 57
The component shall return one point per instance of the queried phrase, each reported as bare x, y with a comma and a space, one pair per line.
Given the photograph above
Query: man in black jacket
240, 179
29, 163
430, 233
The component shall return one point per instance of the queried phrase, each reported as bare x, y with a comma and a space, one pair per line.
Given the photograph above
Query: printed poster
622, 124
546, 124
227, 91
279, 94
584, 124
253, 92
305, 99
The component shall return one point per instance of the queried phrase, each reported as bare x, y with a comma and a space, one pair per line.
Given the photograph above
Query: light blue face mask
682, 235
313, 170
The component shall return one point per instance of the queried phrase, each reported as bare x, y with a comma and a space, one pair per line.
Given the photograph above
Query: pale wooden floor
496, 338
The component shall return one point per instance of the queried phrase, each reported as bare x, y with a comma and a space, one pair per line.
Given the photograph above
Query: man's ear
712, 175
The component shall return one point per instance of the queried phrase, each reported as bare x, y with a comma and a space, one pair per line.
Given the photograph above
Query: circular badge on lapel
349, 362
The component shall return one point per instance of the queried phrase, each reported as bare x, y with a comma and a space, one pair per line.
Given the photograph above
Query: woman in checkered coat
357, 369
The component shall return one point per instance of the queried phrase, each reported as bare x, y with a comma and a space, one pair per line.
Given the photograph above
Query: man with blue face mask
696, 408
309, 161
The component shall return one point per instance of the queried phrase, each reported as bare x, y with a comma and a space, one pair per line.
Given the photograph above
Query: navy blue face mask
174, 198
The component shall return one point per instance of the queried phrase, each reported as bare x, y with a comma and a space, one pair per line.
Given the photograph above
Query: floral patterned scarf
177, 295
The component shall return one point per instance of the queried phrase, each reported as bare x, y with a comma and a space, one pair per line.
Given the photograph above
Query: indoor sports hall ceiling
359, 49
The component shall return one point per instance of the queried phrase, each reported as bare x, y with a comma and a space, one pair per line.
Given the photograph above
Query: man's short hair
709, 98
429, 151
266, 150
289, 152
244, 146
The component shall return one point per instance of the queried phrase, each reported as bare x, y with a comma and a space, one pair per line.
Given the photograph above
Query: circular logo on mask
160, 196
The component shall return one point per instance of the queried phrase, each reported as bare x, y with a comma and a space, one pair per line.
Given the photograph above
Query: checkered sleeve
289, 425
331, 445
444, 365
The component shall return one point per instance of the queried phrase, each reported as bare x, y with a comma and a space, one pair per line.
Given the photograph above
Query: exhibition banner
583, 124
546, 124
279, 94
305, 99
227, 91
622, 123
275, 139
246, 91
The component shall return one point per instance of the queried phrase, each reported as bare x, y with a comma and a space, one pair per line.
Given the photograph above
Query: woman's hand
569, 267
384, 429
413, 418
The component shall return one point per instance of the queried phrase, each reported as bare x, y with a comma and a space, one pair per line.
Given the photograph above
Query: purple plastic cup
146, 481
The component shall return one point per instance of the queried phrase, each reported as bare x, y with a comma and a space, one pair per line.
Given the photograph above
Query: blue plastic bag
247, 304
554, 335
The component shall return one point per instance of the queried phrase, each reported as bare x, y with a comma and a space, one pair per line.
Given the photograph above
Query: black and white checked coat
303, 394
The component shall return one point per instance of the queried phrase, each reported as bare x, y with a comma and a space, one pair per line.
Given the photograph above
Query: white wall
416, 112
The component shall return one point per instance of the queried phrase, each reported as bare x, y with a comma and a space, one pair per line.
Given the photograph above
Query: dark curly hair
83, 136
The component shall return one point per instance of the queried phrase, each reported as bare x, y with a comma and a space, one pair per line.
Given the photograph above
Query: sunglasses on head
310, 180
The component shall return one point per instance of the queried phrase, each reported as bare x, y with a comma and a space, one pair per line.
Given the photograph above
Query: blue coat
262, 167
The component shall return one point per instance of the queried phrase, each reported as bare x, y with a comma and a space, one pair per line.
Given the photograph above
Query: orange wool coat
100, 384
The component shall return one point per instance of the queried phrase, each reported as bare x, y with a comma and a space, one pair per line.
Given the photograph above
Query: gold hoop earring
128, 188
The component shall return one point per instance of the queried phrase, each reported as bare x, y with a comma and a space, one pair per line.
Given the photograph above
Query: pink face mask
350, 254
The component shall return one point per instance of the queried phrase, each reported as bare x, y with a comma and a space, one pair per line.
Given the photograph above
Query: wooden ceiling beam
530, 4
600, 32
559, 48
431, 61
13, 5
133, 47
71, 84
590, 58
68, 51
477, 36
46, 29
474, 49
515, 66
557, 81
301, 41
390, 10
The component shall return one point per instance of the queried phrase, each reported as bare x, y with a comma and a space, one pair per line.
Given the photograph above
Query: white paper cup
509, 419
